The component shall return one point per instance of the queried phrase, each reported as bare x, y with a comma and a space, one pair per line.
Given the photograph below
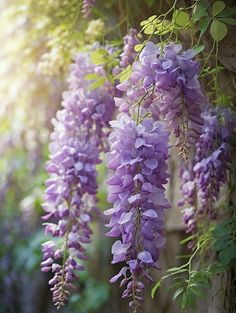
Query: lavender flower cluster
138, 157
128, 53
208, 172
163, 85
167, 78
70, 198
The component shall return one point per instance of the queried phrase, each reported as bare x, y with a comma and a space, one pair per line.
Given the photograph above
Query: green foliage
98, 81
228, 20
180, 19
224, 236
217, 7
162, 26
203, 25
28, 252
227, 12
92, 296
218, 30
125, 74
200, 10
198, 49
99, 56
189, 285
139, 47
190, 281
213, 16
109, 61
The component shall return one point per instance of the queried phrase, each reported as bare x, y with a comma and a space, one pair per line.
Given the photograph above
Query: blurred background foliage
38, 41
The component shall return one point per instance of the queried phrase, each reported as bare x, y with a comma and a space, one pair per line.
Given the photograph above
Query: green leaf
143, 23
99, 56
124, 75
198, 49
220, 230
203, 25
176, 285
98, 83
180, 18
198, 292
178, 293
218, 30
183, 301
222, 244
154, 289
138, 47
152, 18
190, 298
228, 20
149, 29
91, 76
217, 7
163, 29
200, 11
226, 256
227, 12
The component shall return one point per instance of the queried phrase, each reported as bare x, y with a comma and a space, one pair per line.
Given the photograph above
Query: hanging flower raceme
203, 178
170, 76
87, 7
189, 192
78, 137
128, 54
138, 158
212, 162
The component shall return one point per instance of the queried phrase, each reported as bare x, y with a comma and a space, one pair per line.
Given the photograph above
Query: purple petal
145, 257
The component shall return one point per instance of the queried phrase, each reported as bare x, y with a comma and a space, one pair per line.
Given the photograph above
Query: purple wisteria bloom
189, 191
203, 178
138, 157
212, 162
70, 198
128, 55
87, 7
170, 76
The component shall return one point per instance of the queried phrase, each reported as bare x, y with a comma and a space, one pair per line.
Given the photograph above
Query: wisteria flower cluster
128, 53
162, 92
203, 178
70, 198
138, 157
170, 76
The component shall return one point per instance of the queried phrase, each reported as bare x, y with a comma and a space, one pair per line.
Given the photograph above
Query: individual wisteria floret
203, 178
70, 198
137, 157
87, 7
170, 75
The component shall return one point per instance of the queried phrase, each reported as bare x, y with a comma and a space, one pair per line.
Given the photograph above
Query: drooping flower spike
128, 53
203, 178
172, 74
70, 198
138, 157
